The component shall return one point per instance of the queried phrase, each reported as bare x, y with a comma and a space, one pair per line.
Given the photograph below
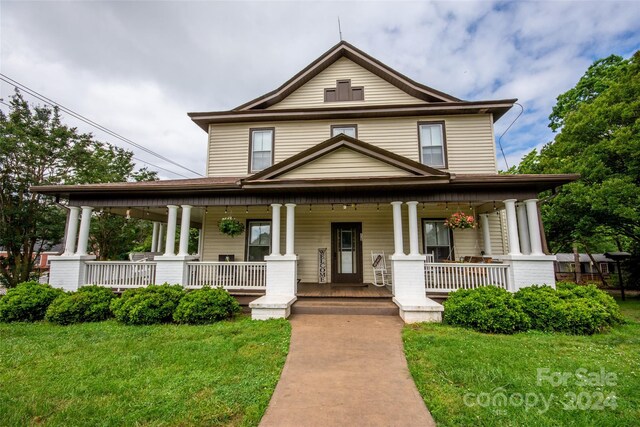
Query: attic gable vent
344, 92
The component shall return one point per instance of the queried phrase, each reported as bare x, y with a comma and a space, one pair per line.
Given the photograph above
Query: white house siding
344, 163
470, 144
376, 90
313, 231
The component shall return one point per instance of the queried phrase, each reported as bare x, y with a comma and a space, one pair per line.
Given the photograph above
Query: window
258, 239
604, 267
344, 92
437, 239
261, 149
432, 144
349, 130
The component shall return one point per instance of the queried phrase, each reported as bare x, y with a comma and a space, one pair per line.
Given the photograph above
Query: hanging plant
230, 226
461, 221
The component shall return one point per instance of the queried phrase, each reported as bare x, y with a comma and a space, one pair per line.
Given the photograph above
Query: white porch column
68, 271
185, 225
413, 228
282, 271
512, 227
486, 233
397, 228
170, 244
154, 236
72, 231
291, 219
275, 229
534, 226
160, 246
523, 229
85, 225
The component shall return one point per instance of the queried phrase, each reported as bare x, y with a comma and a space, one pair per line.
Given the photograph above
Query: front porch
315, 256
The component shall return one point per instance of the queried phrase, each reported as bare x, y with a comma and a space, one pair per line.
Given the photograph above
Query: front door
346, 252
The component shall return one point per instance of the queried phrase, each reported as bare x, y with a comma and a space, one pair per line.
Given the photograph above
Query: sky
138, 67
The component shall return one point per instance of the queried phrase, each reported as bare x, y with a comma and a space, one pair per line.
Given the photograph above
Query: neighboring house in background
565, 267
41, 261
369, 164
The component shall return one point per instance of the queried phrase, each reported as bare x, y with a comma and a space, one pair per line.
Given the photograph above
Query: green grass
449, 363
109, 374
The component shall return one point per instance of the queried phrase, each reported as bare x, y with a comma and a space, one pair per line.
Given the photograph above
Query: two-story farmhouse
345, 179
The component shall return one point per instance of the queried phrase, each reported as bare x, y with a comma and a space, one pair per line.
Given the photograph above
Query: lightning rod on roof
339, 29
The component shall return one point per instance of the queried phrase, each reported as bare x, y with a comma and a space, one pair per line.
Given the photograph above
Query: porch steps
362, 306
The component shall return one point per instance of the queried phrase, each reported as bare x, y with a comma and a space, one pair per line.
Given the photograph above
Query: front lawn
110, 375
470, 378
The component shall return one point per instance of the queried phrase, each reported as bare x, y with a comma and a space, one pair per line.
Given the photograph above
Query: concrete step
362, 306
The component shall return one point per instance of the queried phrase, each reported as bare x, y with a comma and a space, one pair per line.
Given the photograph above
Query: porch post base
68, 272
528, 270
272, 307
408, 277
172, 269
426, 310
282, 275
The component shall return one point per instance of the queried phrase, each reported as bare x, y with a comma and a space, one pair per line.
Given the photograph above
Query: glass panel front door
347, 253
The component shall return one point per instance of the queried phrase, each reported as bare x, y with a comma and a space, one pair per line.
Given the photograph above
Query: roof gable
336, 154
346, 50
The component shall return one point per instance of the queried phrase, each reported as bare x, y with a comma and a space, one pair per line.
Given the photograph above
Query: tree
599, 137
36, 148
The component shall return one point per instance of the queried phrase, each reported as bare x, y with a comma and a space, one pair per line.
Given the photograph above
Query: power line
90, 122
134, 157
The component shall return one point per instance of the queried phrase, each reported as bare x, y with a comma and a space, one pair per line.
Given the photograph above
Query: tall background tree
36, 148
598, 125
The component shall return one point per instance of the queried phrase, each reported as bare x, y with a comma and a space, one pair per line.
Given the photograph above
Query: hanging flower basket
460, 221
230, 226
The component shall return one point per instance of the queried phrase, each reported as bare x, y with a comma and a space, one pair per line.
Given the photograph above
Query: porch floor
327, 290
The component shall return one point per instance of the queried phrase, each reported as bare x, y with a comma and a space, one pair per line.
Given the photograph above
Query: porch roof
235, 190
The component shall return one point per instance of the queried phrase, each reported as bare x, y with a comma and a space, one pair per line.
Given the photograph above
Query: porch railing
449, 277
229, 275
120, 274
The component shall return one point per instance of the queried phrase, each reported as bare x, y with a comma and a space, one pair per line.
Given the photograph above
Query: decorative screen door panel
346, 252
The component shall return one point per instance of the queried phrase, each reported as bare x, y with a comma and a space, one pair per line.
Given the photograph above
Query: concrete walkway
346, 371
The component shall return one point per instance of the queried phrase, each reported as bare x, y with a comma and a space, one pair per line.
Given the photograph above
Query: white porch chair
381, 275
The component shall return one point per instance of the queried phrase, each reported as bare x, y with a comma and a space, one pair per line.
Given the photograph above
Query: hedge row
571, 309
31, 301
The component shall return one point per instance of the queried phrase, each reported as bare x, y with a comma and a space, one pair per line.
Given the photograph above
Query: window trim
444, 142
248, 235
424, 238
343, 126
273, 147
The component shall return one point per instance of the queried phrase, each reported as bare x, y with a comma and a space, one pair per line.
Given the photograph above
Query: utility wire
505, 131
134, 157
90, 122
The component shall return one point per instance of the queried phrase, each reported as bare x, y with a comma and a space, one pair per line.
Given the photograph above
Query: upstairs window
261, 149
349, 130
344, 92
432, 144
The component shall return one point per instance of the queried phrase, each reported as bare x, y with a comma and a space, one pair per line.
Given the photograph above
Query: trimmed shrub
149, 305
486, 309
87, 304
206, 305
581, 316
27, 302
540, 303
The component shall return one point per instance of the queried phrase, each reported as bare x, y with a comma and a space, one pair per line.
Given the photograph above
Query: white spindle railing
449, 277
229, 275
120, 274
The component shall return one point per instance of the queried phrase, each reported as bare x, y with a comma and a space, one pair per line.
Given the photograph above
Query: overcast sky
139, 67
